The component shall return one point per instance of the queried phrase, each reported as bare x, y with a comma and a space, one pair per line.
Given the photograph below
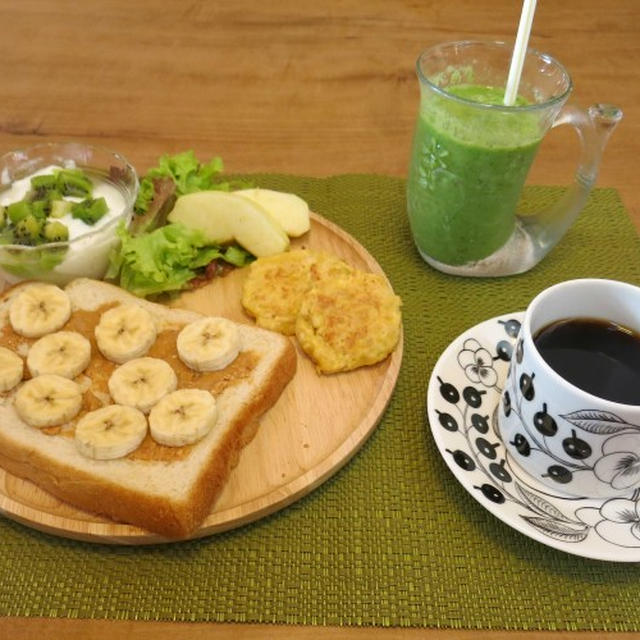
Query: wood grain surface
311, 88
316, 426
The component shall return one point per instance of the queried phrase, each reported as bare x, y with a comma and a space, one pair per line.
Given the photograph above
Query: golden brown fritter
349, 321
276, 285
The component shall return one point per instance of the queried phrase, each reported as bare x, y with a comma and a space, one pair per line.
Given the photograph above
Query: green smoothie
468, 166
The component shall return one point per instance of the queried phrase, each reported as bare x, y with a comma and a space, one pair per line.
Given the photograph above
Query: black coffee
597, 356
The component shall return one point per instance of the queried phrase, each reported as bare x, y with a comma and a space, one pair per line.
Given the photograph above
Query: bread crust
170, 517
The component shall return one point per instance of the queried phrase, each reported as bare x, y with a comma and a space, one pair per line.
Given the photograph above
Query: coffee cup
569, 414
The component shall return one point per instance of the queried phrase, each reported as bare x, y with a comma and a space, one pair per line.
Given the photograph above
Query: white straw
519, 51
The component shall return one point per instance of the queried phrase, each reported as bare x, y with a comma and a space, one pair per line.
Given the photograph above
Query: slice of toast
166, 490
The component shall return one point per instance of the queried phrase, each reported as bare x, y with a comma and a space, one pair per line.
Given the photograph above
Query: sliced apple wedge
287, 209
224, 217
207, 211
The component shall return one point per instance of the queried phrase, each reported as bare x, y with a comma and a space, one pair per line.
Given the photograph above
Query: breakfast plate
316, 426
463, 400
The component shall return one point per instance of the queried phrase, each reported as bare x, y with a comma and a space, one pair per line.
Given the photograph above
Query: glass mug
471, 156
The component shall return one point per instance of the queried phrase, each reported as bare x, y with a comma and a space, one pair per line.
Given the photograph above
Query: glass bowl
87, 253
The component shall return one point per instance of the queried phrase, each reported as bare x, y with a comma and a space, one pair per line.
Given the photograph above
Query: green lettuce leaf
187, 173
166, 259
145, 196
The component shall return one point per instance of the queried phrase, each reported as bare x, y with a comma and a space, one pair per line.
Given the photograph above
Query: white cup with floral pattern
567, 438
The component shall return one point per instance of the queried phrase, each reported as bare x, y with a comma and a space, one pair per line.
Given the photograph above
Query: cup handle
593, 126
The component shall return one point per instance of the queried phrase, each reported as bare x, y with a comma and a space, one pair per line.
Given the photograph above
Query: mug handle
593, 126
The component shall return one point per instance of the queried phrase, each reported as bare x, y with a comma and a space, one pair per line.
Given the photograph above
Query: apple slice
287, 209
224, 217
207, 211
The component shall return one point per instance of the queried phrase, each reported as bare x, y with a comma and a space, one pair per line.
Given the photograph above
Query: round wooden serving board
316, 426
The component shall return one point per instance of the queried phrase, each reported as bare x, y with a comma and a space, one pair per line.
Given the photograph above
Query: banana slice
209, 344
110, 432
63, 353
11, 369
48, 400
183, 417
125, 332
39, 309
142, 382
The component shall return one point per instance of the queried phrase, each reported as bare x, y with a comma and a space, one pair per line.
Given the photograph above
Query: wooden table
312, 88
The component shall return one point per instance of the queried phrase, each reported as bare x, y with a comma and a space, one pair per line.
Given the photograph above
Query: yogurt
89, 244
101, 189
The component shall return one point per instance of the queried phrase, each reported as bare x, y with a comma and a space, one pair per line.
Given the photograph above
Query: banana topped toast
128, 408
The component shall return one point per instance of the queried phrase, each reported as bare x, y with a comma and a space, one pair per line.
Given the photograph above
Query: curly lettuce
187, 173
166, 259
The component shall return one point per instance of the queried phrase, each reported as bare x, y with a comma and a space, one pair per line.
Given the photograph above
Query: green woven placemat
392, 539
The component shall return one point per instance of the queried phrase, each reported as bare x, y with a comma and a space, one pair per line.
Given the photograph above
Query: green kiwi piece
90, 210
60, 208
40, 208
42, 188
47, 182
54, 194
27, 231
42, 185
18, 211
73, 182
55, 231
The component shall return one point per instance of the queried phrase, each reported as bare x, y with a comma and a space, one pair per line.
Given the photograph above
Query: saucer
462, 406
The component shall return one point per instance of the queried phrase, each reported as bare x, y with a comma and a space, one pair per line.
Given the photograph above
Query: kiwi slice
42, 186
55, 231
60, 208
45, 183
90, 210
27, 231
73, 182
18, 211
40, 209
